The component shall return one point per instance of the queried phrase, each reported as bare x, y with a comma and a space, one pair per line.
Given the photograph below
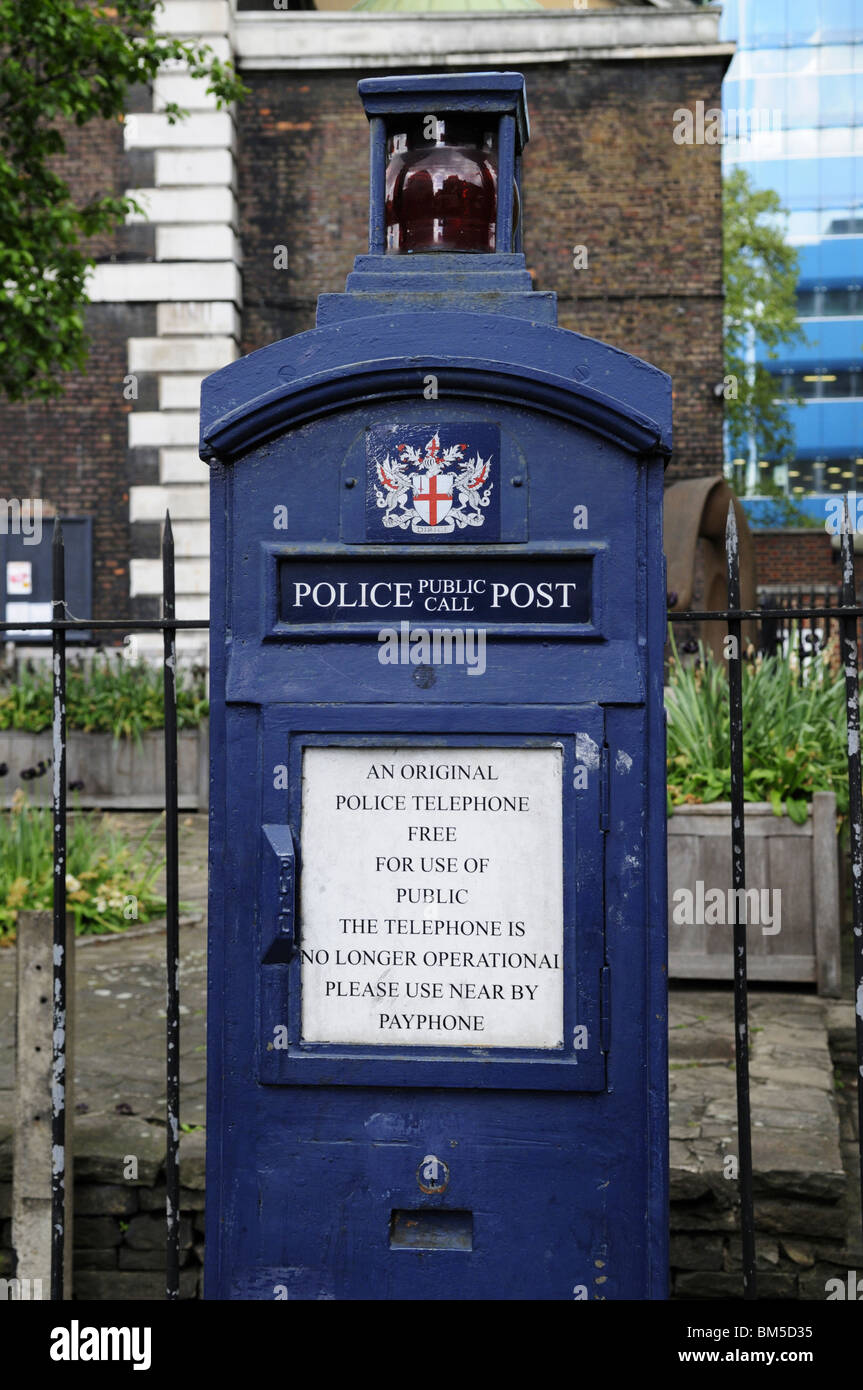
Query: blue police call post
437, 995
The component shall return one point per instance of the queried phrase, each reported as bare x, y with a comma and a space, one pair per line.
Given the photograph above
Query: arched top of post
389, 357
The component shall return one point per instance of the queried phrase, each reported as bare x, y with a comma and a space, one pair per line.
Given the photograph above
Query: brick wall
71, 452
602, 170
303, 184
797, 557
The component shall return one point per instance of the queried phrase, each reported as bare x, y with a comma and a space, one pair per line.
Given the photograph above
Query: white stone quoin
196, 285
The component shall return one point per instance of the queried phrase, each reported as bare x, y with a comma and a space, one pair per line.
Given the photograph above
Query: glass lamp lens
441, 185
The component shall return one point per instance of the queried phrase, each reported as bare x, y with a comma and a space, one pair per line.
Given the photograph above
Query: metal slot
431, 1230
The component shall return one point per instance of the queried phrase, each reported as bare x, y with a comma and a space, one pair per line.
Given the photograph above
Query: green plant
109, 879
118, 697
793, 734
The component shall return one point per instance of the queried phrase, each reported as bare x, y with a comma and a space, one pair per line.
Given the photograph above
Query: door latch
278, 895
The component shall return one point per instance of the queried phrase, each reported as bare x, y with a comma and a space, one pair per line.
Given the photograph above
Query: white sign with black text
431, 907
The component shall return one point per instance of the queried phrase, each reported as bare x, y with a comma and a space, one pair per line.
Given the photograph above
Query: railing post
58, 991
172, 927
738, 858
850, 662
32, 1190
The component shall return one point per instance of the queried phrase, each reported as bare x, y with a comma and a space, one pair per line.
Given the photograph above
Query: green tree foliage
62, 63
760, 271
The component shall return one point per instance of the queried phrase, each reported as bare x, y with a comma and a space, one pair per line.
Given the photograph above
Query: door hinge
603, 788
604, 1008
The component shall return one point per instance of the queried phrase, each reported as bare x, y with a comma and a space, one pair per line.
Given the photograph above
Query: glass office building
793, 103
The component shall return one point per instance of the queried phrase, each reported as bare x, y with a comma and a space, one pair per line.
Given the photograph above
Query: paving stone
790, 1078
841, 1027
103, 1145
804, 1163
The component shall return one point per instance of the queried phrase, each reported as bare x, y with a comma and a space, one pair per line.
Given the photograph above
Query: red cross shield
433, 496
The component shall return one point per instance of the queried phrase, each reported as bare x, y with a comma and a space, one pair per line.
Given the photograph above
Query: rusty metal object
697, 510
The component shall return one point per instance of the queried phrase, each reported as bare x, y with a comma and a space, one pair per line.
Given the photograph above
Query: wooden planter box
800, 862
121, 774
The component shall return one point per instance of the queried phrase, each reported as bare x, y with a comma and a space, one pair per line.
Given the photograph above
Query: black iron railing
59, 627
797, 617
845, 612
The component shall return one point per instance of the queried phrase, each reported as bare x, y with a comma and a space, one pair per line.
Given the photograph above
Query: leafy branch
63, 65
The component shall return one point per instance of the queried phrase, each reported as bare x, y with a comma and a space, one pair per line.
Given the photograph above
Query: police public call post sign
437, 867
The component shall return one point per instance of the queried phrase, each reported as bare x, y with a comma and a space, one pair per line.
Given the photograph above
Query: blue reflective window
836, 99
803, 107
840, 222
835, 57
771, 173
768, 93
736, 91
837, 180
802, 17
730, 24
765, 24
801, 185
803, 143
768, 60
804, 224
835, 140
801, 59
838, 20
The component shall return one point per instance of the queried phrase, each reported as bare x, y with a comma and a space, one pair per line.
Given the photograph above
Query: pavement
803, 1115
